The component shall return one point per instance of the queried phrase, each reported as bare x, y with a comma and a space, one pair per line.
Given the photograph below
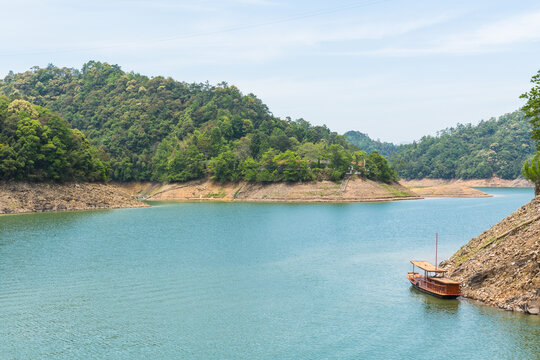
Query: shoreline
459, 188
347, 191
27, 197
266, 201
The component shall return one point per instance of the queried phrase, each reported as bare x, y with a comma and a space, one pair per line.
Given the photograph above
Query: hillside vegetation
38, 145
493, 148
166, 130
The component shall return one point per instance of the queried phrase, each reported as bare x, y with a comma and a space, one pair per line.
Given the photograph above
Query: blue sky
396, 70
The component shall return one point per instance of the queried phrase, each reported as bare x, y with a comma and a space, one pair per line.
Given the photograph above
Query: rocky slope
21, 197
354, 190
501, 267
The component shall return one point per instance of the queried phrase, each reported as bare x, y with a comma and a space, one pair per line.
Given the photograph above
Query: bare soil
491, 182
459, 187
353, 190
450, 190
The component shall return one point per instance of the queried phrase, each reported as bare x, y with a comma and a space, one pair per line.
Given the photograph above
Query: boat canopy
427, 266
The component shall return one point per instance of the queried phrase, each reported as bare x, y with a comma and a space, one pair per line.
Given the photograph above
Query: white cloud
488, 38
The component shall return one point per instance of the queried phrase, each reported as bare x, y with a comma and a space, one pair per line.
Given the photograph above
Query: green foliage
224, 167
531, 171
186, 165
38, 145
497, 147
532, 108
161, 129
377, 168
249, 169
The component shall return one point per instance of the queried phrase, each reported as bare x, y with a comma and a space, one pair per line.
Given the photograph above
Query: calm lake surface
249, 281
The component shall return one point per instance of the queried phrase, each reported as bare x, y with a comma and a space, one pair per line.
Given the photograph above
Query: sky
394, 69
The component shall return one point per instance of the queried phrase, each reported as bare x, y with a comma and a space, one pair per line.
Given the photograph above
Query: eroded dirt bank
458, 187
491, 182
501, 267
354, 190
21, 197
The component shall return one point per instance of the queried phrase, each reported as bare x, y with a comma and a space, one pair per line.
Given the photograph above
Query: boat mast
436, 243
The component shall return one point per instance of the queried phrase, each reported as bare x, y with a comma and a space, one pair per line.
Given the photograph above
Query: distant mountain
496, 147
364, 142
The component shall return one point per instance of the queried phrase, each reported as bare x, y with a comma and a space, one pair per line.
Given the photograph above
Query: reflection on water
433, 304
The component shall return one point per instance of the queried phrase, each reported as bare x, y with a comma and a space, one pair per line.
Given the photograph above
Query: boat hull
419, 282
440, 296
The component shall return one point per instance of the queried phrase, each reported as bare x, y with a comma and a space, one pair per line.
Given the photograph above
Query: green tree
377, 168
532, 107
531, 171
290, 167
249, 169
8, 162
186, 165
224, 167
340, 161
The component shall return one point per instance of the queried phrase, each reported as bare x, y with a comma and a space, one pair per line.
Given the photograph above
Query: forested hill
161, 129
496, 147
364, 142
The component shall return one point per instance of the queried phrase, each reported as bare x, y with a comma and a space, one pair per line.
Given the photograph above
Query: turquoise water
248, 281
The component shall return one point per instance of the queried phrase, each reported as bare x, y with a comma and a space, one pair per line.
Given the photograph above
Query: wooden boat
433, 282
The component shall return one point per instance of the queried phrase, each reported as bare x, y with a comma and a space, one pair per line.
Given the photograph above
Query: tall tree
531, 171
532, 107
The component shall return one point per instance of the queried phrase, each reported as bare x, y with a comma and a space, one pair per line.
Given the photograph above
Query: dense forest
38, 145
496, 147
165, 130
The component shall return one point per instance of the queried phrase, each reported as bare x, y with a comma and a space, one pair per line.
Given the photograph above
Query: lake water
249, 281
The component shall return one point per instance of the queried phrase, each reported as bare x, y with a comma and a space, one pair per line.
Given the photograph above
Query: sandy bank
450, 190
22, 197
501, 267
354, 190
492, 182
459, 187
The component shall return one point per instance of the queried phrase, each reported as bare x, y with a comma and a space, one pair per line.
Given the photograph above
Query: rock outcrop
501, 267
21, 197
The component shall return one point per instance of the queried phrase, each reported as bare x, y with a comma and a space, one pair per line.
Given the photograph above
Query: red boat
433, 282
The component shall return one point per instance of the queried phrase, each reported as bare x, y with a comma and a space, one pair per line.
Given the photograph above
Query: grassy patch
460, 259
395, 192
220, 194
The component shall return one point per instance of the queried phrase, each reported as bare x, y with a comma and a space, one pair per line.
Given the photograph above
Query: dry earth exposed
354, 190
459, 188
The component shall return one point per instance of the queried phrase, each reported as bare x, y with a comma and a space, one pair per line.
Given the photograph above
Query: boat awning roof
424, 265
